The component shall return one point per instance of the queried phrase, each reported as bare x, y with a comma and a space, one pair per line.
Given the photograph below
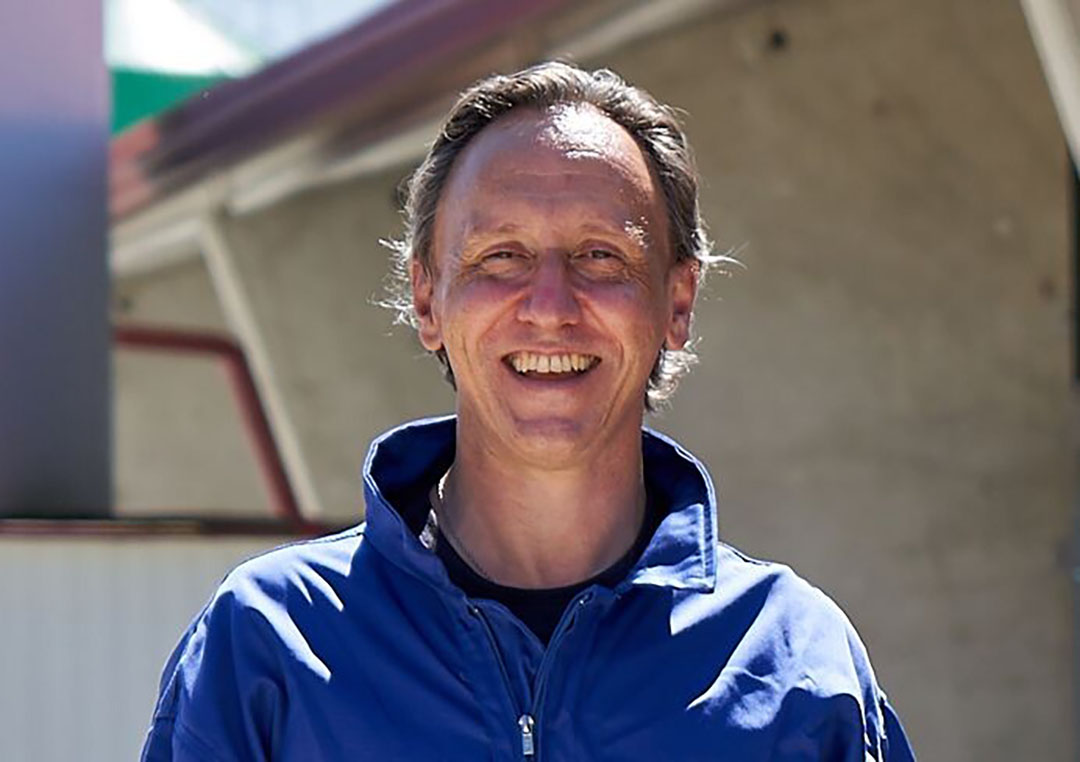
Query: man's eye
502, 262
503, 259
599, 259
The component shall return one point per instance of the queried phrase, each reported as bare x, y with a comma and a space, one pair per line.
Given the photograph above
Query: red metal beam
246, 396
165, 526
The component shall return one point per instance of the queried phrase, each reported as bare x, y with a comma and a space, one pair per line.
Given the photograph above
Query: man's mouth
551, 365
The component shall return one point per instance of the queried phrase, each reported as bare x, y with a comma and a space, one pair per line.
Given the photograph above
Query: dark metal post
55, 438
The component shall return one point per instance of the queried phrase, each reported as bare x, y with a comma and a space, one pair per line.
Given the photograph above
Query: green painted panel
139, 94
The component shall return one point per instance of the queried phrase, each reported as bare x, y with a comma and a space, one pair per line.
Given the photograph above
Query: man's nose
551, 301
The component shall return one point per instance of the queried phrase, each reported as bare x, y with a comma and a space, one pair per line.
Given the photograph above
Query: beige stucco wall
883, 390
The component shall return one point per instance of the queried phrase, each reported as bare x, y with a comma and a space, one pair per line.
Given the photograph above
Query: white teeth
524, 362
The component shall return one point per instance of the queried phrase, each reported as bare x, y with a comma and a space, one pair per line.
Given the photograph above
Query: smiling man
539, 576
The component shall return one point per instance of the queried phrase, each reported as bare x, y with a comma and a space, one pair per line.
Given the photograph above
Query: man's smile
553, 365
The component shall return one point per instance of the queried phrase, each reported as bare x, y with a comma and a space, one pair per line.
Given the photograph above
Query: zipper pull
528, 743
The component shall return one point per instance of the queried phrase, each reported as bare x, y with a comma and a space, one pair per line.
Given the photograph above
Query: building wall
95, 619
883, 389
315, 271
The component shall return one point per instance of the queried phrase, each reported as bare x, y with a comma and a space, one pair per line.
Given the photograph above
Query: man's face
553, 286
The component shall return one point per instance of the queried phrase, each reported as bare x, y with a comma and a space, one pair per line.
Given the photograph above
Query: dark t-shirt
541, 609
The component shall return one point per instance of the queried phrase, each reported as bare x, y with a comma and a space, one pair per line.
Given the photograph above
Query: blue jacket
358, 647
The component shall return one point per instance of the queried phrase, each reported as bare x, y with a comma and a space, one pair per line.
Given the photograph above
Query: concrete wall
884, 389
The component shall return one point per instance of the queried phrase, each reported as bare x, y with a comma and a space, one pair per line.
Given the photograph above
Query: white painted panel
86, 625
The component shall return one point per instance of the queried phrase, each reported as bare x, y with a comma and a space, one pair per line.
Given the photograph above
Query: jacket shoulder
289, 567
815, 631
806, 631
783, 585
222, 674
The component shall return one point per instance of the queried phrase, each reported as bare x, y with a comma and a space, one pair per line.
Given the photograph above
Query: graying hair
653, 126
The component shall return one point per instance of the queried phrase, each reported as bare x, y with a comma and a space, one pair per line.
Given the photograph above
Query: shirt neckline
477, 586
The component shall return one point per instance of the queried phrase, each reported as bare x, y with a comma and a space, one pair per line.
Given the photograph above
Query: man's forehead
582, 129
561, 140
568, 169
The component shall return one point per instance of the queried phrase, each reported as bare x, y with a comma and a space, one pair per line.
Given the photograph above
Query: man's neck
537, 527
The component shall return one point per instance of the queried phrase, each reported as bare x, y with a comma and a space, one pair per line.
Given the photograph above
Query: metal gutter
164, 527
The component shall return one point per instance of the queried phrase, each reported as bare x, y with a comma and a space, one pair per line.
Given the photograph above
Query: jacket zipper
528, 744
526, 721
539, 688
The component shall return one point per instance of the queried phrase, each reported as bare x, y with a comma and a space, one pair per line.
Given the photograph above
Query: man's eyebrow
478, 226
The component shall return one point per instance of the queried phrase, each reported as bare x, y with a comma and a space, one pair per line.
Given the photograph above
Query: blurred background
192, 362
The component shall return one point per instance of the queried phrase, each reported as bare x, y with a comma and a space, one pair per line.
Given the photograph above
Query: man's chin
550, 439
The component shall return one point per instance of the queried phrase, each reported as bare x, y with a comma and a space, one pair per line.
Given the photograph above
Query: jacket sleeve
894, 744
158, 746
219, 699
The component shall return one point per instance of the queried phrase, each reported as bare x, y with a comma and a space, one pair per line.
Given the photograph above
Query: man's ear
423, 295
682, 289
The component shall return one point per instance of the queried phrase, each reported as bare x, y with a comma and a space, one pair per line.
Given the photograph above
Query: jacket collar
403, 464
